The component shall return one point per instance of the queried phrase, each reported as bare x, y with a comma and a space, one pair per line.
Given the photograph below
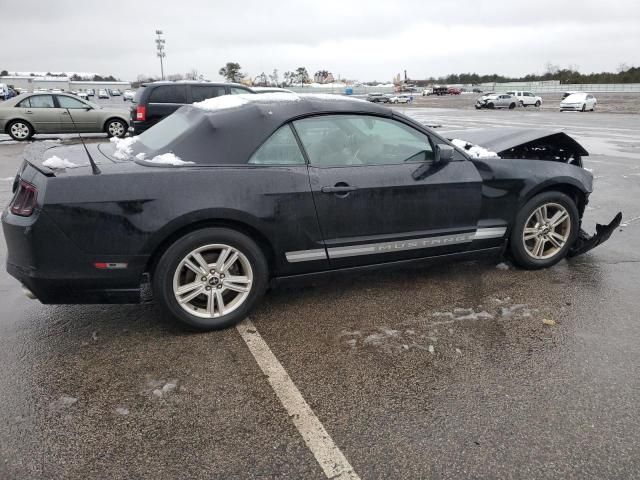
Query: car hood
525, 143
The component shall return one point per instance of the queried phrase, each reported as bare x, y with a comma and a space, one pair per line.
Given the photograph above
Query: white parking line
328, 455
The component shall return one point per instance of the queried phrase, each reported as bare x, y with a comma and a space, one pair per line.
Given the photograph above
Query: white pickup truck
527, 98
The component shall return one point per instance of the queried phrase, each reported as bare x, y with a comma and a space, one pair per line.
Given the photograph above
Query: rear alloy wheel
211, 278
544, 230
19, 130
116, 128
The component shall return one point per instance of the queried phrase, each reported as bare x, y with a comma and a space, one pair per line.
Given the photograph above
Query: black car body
269, 176
154, 101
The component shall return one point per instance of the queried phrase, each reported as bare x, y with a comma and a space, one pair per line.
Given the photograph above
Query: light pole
160, 51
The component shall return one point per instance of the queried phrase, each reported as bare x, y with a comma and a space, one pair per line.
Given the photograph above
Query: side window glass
281, 148
169, 94
341, 140
237, 91
66, 102
41, 101
26, 103
202, 92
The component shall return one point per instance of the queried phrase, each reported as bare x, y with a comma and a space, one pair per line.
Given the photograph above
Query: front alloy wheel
544, 229
19, 130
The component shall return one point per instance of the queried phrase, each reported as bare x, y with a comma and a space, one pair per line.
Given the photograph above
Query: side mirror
444, 153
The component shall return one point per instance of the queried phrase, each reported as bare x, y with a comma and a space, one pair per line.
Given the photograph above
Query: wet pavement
457, 370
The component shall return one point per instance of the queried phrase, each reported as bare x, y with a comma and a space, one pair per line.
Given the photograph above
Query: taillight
24, 200
141, 113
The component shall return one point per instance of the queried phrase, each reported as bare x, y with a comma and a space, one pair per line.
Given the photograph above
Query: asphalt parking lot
465, 370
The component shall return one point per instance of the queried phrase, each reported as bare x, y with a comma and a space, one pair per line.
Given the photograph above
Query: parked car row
577, 101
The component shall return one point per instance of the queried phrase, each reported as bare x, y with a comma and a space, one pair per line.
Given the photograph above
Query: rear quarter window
168, 94
202, 92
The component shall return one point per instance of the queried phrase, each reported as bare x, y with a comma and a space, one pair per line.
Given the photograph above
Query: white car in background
400, 99
527, 98
128, 95
102, 93
579, 101
82, 95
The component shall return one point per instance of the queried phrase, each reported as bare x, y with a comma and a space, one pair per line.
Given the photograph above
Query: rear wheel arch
111, 119
251, 232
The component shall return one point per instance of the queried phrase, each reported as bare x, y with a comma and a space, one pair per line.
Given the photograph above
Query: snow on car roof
234, 101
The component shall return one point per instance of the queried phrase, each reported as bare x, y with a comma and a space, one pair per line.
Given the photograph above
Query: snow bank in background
123, 147
58, 163
168, 159
474, 151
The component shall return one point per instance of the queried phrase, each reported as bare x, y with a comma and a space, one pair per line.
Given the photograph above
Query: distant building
28, 83
323, 76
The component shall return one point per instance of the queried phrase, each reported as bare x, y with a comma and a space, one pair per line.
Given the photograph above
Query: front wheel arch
573, 192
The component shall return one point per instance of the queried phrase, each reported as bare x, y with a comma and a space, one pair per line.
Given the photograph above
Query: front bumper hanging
586, 242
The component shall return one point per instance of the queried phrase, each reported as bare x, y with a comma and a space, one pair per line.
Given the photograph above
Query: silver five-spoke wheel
212, 281
546, 231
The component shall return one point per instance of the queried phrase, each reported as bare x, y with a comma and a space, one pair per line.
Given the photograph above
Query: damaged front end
533, 144
586, 242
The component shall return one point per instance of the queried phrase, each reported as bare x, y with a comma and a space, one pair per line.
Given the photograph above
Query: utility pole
160, 51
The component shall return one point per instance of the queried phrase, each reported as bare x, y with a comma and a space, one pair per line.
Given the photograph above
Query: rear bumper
43, 259
136, 127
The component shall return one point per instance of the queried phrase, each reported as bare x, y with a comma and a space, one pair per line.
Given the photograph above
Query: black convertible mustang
224, 196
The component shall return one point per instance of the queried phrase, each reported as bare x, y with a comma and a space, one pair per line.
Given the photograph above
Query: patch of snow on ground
474, 151
8, 179
168, 159
58, 163
123, 147
502, 266
52, 140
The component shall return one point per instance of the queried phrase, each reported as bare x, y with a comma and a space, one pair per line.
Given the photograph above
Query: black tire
538, 103
522, 104
512, 106
490, 105
116, 127
163, 274
516, 244
24, 126
584, 107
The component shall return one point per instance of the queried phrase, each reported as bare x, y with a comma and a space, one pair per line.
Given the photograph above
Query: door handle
29, 111
65, 113
339, 189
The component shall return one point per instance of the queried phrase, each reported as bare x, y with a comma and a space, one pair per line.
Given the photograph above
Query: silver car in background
23, 116
497, 100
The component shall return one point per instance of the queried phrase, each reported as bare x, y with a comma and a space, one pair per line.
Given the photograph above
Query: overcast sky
357, 39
